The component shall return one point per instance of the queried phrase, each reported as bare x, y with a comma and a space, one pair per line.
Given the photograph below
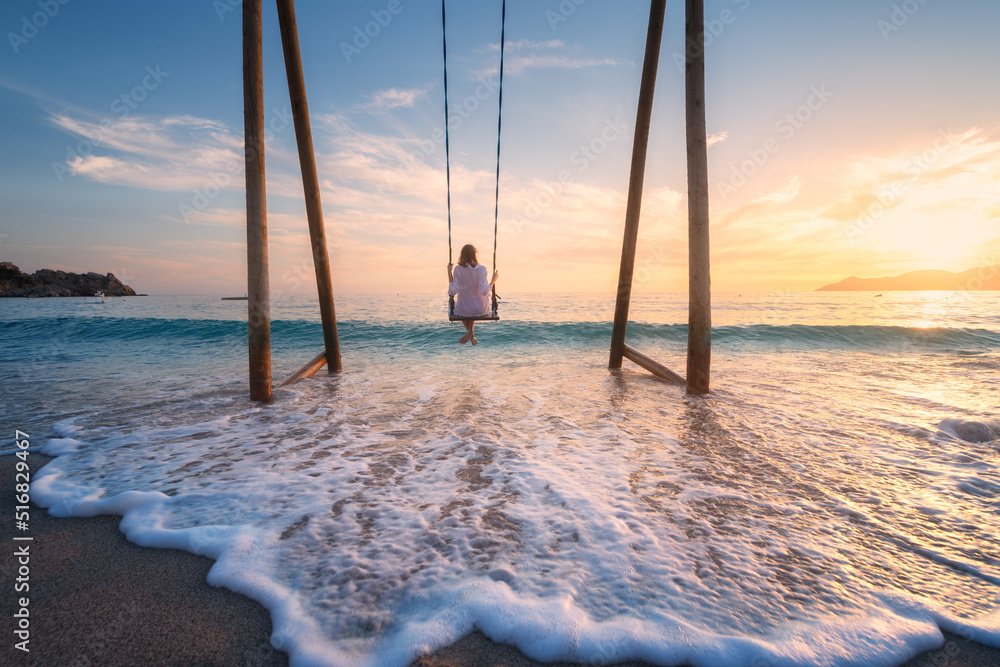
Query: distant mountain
46, 282
980, 278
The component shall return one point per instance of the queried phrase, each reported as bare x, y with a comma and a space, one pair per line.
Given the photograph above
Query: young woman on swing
468, 282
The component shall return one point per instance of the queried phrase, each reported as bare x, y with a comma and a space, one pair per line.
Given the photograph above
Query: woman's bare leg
468, 331
472, 332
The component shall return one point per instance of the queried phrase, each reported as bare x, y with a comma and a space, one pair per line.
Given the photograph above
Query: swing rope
496, 199
447, 145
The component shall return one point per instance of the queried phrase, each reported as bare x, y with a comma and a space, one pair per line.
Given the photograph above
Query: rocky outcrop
47, 282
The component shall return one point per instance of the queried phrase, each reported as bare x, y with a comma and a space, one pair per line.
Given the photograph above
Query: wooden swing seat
492, 317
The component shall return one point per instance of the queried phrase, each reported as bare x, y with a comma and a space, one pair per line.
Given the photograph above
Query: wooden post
258, 297
640, 140
699, 352
310, 182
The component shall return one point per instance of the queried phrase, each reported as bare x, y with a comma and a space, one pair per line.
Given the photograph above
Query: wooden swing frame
258, 297
699, 349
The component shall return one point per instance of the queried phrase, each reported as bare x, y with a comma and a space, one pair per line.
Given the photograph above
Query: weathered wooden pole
640, 141
310, 182
258, 296
699, 352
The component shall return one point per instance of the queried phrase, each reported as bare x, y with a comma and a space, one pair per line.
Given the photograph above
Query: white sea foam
577, 515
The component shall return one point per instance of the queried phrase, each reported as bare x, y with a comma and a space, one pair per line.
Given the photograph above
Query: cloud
522, 45
784, 195
520, 64
169, 154
524, 55
35, 93
393, 98
387, 225
223, 217
383, 193
930, 205
717, 137
878, 182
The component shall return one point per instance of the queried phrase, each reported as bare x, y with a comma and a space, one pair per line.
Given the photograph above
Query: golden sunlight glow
934, 309
936, 244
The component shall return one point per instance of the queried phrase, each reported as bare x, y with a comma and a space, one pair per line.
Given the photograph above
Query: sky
857, 137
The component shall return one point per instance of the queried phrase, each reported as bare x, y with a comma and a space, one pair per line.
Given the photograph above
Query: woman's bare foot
465, 339
475, 341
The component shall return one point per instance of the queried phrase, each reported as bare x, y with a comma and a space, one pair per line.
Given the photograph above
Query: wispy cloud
523, 45
784, 195
891, 181
393, 98
930, 205
520, 64
35, 94
717, 137
386, 216
170, 154
523, 55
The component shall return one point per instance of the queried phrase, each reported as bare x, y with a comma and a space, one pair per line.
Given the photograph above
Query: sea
834, 501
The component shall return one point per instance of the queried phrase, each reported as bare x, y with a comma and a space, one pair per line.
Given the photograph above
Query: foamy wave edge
549, 629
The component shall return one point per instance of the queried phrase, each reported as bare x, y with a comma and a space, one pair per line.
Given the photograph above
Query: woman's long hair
467, 257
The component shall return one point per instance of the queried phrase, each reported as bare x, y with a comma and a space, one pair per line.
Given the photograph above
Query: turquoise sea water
821, 507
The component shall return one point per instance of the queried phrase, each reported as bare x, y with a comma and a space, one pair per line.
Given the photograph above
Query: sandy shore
97, 599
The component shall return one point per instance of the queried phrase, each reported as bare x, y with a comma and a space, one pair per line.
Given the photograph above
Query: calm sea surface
820, 508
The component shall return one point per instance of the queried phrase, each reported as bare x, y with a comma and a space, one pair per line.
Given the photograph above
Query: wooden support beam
699, 351
640, 141
310, 181
258, 296
651, 365
308, 370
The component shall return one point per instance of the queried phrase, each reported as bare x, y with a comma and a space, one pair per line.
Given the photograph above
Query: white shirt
472, 288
